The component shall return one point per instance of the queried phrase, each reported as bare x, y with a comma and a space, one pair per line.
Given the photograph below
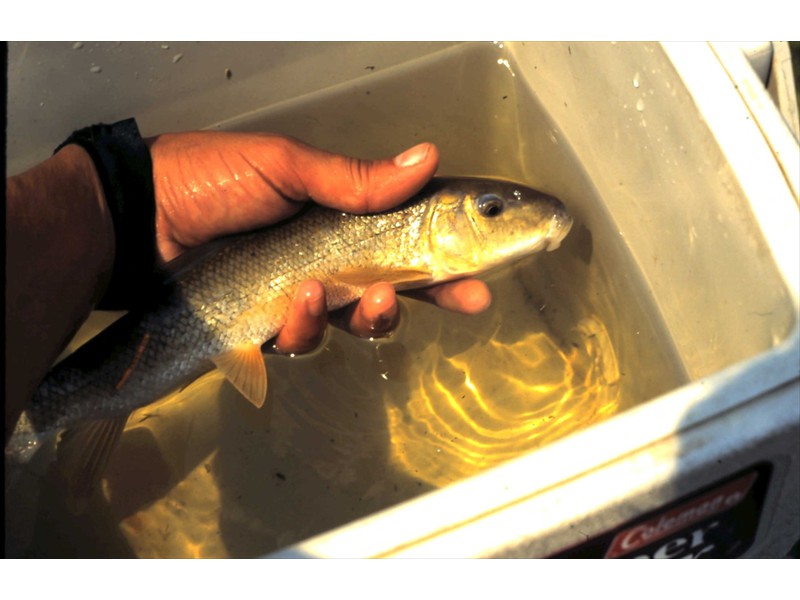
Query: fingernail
315, 304
378, 319
312, 295
412, 156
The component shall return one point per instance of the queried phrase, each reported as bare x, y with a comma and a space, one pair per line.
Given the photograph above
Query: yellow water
349, 436
462, 420
360, 425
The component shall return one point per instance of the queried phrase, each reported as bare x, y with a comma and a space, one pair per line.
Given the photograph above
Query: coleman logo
679, 518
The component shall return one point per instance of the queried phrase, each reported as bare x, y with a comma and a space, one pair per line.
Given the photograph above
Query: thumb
361, 186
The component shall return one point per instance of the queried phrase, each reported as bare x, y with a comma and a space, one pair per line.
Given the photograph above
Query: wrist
123, 165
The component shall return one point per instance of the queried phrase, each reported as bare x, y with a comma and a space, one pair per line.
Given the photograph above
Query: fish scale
238, 298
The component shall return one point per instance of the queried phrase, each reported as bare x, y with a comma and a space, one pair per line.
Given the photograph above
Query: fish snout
560, 224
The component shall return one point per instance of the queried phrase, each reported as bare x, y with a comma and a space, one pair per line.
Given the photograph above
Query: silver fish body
236, 300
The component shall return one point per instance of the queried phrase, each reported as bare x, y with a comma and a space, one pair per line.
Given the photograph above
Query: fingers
466, 296
360, 186
305, 321
374, 315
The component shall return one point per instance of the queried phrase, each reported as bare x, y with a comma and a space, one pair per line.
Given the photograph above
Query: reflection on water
463, 419
161, 530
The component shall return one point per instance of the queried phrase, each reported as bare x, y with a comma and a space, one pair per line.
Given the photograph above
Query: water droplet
77, 45
177, 57
96, 69
636, 80
507, 65
165, 46
640, 104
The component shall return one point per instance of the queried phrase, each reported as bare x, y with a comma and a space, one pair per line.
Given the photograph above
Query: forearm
59, 257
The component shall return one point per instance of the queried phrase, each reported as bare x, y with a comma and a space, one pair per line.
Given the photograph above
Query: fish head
478, 224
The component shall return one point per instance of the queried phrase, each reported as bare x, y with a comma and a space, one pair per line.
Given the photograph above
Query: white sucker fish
221, 311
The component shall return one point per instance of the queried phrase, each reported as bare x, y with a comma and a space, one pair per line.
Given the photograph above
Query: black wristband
125, 168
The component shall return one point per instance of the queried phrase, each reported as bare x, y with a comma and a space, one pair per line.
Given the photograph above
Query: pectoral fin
244, 367
366, 276
82, 455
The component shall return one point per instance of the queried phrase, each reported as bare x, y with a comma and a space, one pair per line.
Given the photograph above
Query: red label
697, 509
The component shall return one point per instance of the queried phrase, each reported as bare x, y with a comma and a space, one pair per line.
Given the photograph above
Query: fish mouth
559, 228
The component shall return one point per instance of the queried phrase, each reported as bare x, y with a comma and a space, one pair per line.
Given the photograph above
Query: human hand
209, 184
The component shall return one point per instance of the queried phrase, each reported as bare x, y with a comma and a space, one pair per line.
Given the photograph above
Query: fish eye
489, 205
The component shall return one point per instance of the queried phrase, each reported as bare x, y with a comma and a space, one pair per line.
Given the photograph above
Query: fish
220, 311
